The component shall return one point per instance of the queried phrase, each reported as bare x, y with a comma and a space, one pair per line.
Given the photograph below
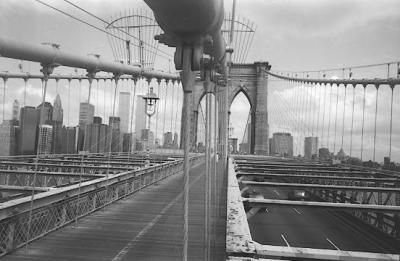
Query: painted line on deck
121, 254
333, 244
284, 239
298, 212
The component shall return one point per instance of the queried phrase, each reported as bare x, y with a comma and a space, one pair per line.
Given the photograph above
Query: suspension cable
165, 110
323, 115
44, 86
132, 114
25, 83
362, 128
391, 122
376, 116
337, 101
314, 109
4, 95
158, 94
344, 114
352, 122
329, 116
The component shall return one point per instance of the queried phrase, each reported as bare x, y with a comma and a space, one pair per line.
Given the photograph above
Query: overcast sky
295, 35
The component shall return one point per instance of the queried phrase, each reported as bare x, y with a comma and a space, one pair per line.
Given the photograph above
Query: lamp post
150, 108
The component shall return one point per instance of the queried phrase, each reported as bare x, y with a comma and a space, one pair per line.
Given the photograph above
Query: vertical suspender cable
104, 99
164, 112
362, 128
4, 95
131, 125
83, 156
352, 122
25, 83
376, 116
319, 106
314, 109
44, 86
68, 112
337, 101
206, 193
329, 116
344, 114
323, 116
158, 94
391, 122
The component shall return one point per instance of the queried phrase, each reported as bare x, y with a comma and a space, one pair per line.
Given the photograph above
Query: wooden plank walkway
144, 226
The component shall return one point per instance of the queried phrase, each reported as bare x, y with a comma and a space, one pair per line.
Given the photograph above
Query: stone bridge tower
250, 79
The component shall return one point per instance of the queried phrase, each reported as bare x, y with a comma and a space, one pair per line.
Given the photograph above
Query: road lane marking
121, 254
284, 239
333, 244
298, 212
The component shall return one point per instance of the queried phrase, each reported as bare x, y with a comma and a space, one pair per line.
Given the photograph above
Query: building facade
28, 131
310, 147
124, 110
8, 138
86, 113
282, 144
45, 138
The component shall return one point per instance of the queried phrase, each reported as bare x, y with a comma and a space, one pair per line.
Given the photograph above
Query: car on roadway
299, 195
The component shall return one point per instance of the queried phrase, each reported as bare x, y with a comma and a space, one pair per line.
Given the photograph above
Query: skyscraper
68, 141
282, 144
115, 123
44, 140
123, 110
310, 147
86, 113
167, 140
27, 137
57, 125
175, 142
47, 116
8, 144
140, 116
15, 110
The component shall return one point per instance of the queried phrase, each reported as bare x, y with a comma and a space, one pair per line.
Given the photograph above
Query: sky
294, 35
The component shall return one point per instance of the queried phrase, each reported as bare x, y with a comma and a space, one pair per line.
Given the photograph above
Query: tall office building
8, 138
86, 113
282, 144
310, 147
147, 139
27, 134
45, 138
167, 140
57, 109
15, 110
57, 124
68, 141
115, 123
47, 117
175, 144
123, 110
140, 116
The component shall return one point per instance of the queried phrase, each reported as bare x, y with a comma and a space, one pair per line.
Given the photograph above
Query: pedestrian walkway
145, 226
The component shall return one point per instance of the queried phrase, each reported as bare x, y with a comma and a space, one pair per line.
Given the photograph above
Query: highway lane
315, 228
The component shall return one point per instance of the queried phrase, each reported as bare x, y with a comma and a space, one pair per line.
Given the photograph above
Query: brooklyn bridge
199, 130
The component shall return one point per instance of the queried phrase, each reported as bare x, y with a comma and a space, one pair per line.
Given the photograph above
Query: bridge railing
56, 208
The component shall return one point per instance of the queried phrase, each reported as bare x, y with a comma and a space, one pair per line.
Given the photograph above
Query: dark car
299, 194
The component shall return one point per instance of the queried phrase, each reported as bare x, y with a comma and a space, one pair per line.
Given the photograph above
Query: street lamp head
150, 102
